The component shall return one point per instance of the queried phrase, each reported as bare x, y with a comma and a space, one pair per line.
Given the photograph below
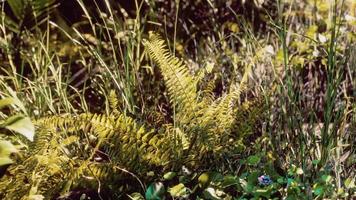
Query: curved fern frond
68, 149
205, 123
181, 86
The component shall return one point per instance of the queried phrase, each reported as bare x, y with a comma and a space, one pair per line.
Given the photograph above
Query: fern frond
208, 96
113, 103
181, 86
219, 116
69, 149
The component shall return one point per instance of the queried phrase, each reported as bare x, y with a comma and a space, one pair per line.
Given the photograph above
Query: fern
180, 84
68, 149
202, 119
87, 150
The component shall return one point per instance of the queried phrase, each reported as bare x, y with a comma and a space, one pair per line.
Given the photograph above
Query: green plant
27, 14
118, 116
76, 151
312, 111
18, 123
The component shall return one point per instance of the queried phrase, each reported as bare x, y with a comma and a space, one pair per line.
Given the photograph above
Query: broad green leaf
20, 124
291, 182
155, 191
253, 160
178, 190
169, 175
204, 179
6, 148
252, 178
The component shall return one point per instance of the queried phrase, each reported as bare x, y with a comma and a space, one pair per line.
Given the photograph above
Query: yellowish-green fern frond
225, 107
69, 149
218, 117
204, 123
207, 92
113, 103
181, 85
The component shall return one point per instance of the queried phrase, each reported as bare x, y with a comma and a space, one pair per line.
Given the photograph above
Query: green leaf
253, 160
216, 177
20, 124
6, 148
318, 190
281, 180
263, 192
204, 179
315, 162
349, 183
178, 190
229, 181
183, 139
169, 175
155, 191
326, 178
252, 178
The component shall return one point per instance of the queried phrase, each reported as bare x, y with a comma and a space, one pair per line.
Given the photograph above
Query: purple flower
264, 180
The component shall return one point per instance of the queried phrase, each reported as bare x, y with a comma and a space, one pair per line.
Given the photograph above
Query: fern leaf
180, 83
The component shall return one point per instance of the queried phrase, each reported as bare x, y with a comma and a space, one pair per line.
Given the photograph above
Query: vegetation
180, 99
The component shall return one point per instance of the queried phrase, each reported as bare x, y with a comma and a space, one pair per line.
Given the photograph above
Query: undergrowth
177, 99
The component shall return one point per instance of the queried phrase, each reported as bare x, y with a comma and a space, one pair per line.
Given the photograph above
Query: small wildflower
264, 180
